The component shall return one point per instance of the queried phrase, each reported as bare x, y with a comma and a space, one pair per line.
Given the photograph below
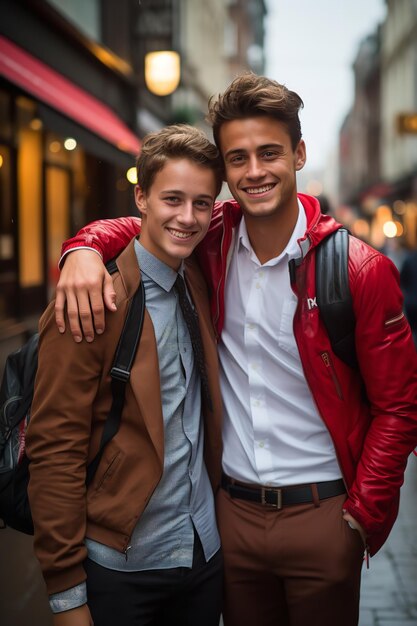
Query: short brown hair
179, 141
250, 95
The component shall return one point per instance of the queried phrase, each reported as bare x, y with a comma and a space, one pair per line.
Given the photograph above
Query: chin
260, 211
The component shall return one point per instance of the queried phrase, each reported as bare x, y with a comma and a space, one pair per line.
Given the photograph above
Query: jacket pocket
108, 466
328, 363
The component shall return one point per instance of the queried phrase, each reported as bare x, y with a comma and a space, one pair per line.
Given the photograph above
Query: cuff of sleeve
69, 249
69, 599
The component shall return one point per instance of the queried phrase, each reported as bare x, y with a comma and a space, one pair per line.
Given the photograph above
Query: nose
255, 167
187, 216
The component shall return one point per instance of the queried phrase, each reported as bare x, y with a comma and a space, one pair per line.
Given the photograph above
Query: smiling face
261, 165
176, 211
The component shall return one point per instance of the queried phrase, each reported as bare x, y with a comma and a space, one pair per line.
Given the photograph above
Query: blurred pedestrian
312, 465
140, 544
408, 281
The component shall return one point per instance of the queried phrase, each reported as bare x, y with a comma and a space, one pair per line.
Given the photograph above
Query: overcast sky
310, 47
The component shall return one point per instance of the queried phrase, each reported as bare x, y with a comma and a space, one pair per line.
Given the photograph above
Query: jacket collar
127, 263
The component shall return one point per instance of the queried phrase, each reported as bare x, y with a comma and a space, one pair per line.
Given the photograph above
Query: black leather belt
277, 497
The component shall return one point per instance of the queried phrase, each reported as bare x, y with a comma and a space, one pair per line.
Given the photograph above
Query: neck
270, 235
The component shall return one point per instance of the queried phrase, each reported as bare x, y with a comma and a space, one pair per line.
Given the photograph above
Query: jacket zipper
128, 545
329, 364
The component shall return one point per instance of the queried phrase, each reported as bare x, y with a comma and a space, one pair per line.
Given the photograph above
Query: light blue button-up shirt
164, 535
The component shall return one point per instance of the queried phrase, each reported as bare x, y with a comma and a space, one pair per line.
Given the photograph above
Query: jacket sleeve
57, 445
108, 237
388, 364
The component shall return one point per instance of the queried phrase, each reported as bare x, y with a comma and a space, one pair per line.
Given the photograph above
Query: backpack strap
121, 367
333, 295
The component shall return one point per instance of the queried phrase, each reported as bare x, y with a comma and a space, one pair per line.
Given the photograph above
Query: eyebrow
180, 192
266, 146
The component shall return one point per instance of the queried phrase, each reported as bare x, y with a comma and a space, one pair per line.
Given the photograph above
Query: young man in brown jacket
139, 545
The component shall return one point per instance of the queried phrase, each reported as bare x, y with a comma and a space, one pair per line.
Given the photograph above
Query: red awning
58, 92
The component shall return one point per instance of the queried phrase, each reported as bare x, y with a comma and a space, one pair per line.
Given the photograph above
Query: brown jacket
72, 400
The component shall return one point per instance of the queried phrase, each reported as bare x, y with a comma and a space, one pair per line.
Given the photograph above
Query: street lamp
162, 72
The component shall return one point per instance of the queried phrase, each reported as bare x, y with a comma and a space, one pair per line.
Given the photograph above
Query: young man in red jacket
312, 465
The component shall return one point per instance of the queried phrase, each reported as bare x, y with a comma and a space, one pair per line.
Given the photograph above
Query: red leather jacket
370, 413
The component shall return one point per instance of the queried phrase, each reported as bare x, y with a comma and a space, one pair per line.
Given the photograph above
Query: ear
140, 200
300, 155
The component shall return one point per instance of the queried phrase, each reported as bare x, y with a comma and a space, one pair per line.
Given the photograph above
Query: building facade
378, 140
67, 136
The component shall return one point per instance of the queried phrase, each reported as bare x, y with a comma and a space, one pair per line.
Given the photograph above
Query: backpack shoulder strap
333, 295
120, 371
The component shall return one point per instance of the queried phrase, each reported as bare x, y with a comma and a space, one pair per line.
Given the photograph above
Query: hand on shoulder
85, 288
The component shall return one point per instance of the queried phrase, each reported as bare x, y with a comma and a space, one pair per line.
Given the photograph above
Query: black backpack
333, 295
16, 395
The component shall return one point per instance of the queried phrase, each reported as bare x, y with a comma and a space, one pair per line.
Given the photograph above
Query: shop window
29, 180
58, 185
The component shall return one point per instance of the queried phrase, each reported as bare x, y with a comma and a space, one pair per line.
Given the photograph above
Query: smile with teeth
262, 189
180, 233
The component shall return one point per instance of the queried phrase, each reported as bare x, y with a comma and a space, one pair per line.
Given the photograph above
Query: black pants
171, 597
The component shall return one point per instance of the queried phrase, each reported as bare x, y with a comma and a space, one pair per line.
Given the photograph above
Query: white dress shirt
272, 432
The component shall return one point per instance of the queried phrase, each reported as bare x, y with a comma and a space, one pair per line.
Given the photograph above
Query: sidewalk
389, 587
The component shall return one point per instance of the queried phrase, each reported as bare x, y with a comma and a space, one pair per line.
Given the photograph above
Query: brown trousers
300, 566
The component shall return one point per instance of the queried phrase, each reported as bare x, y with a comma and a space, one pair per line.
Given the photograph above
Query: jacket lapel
144, 377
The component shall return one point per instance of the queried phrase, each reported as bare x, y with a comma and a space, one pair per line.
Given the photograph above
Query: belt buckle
275, 505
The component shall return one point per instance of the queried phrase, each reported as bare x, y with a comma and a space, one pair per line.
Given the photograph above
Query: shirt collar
291, 250
155, 269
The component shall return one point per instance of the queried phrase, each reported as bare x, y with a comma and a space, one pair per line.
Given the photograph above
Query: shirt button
261, 444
